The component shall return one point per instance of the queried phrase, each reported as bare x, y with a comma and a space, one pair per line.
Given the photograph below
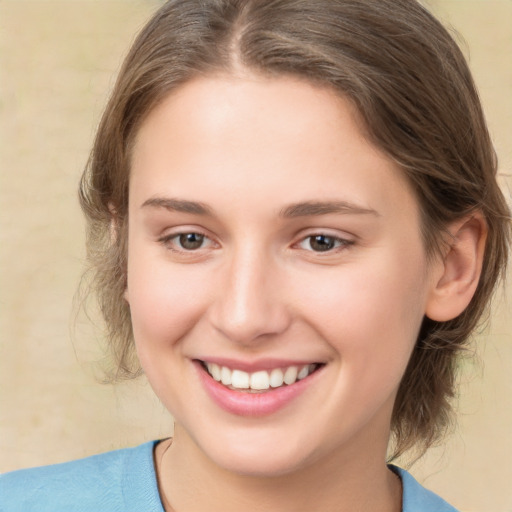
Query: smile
261, 380
260, 388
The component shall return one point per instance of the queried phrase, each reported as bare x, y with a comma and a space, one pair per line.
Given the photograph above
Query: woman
295, 223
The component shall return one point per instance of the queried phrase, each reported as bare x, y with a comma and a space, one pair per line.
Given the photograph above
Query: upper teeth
260, 380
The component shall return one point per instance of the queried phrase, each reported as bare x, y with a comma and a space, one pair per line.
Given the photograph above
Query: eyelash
169, 241
334, 243
339, 243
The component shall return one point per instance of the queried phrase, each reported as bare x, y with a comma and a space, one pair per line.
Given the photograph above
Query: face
276, 273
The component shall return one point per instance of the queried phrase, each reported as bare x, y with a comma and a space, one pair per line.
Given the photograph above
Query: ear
458, 273
114, 235
114, 223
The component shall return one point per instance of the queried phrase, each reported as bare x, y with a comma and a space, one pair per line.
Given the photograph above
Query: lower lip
253, 404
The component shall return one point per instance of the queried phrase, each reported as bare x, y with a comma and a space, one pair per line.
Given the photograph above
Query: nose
249, 301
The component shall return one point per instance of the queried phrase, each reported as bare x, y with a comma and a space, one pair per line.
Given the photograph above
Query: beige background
57, 63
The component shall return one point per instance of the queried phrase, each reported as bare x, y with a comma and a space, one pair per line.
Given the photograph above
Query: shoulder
121, 480
418, 499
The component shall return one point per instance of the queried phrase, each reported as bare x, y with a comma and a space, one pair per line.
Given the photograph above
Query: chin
258, 455
261, 465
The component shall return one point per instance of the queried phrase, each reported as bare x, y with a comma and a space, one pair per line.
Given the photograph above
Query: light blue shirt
125, 481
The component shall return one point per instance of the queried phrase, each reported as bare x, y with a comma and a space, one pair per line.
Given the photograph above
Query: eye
190, 241
186, 241
323, 243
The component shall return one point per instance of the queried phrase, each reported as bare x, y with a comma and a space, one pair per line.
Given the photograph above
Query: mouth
260, 381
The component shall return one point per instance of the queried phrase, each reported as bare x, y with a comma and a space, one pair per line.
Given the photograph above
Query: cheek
369, 298
166, 304
370, 318
165, 300
371, 314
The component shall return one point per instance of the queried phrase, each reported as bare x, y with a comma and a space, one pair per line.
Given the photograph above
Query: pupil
191, 240
321, 243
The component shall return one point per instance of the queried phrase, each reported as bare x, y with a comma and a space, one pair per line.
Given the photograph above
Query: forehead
280, 138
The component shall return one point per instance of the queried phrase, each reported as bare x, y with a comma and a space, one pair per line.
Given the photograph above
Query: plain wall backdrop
58, 60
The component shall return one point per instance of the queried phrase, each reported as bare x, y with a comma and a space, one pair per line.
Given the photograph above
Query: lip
243, 403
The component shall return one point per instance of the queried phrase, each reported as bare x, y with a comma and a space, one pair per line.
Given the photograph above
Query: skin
247, 147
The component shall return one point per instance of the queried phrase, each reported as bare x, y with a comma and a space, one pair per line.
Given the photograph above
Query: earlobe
459, 270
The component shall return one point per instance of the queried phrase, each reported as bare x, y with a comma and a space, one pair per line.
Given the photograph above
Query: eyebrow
178, 205
302, 209
317, 208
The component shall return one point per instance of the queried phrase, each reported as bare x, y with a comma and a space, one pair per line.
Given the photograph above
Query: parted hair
411, 85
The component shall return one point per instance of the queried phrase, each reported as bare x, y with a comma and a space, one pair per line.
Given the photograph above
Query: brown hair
414, 92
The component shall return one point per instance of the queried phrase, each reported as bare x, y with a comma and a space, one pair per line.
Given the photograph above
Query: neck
190, 481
